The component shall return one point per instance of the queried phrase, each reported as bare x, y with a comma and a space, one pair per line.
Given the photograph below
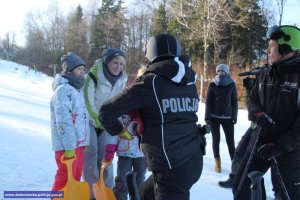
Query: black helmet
288, 38
162, 46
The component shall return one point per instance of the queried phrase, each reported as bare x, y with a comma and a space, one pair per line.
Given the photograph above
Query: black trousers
240, 152
228, 128
289, 167
174, 184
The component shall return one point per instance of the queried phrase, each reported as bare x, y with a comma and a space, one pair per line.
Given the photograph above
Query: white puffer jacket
69, 116
97, 93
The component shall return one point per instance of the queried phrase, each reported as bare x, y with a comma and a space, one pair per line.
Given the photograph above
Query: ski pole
248, 164
256, 178
277, 172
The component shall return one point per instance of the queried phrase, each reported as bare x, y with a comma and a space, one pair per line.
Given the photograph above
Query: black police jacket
277, 93
167, 100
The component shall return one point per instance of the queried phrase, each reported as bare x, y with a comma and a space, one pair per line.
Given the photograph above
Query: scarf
111, 78
223, 80
76, 81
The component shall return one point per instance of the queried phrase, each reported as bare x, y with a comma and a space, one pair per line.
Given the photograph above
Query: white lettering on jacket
180, 105
289, 84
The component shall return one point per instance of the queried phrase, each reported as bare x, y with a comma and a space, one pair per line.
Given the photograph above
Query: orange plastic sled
74, 190
100, 190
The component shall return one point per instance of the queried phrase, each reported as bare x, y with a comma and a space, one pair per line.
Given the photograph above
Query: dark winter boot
226, 184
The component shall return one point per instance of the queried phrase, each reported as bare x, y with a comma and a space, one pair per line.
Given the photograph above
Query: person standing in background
106, 79
221, 110
70, 132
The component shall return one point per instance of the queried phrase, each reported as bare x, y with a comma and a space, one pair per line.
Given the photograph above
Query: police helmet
162, 46
288, 38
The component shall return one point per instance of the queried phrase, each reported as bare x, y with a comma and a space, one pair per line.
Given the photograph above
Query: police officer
274, 106
167, 100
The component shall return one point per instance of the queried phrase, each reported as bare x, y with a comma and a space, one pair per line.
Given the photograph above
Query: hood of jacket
177, 69
58, 80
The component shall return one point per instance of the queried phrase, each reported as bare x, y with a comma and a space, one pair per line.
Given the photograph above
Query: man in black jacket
274, 104
167, 100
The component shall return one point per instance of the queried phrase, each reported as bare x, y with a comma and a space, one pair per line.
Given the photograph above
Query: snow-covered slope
26, 159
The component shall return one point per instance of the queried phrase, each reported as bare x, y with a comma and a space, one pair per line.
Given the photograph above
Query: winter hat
223, 67
109, 54
71, 61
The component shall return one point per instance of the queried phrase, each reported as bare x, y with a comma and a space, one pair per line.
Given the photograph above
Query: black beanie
71, 61
109, 54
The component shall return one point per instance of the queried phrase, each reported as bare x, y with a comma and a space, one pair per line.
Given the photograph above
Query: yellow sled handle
69, 164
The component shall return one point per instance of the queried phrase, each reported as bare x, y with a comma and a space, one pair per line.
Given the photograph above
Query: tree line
210, 31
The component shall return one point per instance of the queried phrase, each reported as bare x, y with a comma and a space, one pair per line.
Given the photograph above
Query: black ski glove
267, 151
204, 129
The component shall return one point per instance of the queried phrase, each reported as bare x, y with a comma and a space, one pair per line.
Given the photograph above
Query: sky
16, 10
291, 12
13, 12
27, 160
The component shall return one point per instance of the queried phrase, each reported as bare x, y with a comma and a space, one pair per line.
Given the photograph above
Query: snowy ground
26, 159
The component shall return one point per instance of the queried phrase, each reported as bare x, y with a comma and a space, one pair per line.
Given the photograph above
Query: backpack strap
93, 77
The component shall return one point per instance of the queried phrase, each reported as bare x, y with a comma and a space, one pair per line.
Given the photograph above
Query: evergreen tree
160, 20
250, 31
108, 27
76, 36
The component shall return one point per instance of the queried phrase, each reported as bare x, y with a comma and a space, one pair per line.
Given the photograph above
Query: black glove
267, 151
264, 121
99, 131
204, 129
203, 145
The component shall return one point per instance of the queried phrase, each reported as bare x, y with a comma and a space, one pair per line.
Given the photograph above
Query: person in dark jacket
274, 104
241, 147
221, 110
166, 98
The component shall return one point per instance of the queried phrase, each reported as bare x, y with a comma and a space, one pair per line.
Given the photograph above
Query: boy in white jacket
69, 118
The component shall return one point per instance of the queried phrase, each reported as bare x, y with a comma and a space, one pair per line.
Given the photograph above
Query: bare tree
203, 20
280, 4
137, 34
55, 27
